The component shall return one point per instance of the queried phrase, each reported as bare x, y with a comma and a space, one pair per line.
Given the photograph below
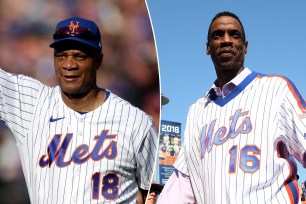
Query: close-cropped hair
225, 13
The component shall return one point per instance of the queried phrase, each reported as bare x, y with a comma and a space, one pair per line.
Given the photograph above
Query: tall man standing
241, 137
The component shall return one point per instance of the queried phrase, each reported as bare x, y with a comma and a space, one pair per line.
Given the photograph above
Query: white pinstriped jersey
67, 157
240, 149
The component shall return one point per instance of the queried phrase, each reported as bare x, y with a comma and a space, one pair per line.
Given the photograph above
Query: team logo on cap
73, 26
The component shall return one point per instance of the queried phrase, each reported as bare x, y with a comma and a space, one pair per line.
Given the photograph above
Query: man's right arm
18, 98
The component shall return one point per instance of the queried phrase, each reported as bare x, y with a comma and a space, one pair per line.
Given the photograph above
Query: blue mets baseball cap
77, 29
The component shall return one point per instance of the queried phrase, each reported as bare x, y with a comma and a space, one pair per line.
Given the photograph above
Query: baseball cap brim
90, 43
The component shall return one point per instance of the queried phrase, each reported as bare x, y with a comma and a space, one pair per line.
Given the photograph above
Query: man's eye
236, 35
216, 35
80, 57
59, 55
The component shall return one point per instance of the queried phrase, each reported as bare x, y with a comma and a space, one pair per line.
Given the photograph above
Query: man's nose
70, 63
226, 39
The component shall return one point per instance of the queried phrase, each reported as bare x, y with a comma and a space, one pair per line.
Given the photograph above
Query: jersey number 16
248, 163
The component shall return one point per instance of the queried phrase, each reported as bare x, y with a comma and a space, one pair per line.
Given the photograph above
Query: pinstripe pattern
248, 141
26, 106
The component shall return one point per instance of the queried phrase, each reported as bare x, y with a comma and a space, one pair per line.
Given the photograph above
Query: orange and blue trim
237, 90
295, 92
290, 184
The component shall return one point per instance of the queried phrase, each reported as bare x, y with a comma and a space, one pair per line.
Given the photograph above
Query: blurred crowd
129, 67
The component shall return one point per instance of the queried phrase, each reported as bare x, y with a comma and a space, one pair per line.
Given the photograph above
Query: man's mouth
70, 78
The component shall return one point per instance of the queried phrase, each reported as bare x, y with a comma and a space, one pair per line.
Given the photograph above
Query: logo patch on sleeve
303, 114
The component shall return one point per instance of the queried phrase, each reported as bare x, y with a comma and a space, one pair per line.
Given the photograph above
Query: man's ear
207, 49
99, 59
246, 47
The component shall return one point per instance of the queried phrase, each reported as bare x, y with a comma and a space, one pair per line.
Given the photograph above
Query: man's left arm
293, 121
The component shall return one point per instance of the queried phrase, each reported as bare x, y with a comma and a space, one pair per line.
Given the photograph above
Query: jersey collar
231, 89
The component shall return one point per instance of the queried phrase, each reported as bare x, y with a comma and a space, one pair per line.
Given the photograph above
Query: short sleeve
180, 162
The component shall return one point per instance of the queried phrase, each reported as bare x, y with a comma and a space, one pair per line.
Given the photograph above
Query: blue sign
169, 147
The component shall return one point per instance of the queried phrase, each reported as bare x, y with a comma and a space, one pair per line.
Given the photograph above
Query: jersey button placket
77, 172
80, 133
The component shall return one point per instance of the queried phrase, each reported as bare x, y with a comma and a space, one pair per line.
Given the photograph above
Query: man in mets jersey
79, 143
242, 136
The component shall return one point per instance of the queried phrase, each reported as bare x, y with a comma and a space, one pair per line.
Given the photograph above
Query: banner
169, 147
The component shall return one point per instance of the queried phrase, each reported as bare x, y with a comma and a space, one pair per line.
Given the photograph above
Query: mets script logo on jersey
57, 152
239, 123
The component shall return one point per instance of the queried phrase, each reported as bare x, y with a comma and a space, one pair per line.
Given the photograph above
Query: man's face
226, 46
75, 70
